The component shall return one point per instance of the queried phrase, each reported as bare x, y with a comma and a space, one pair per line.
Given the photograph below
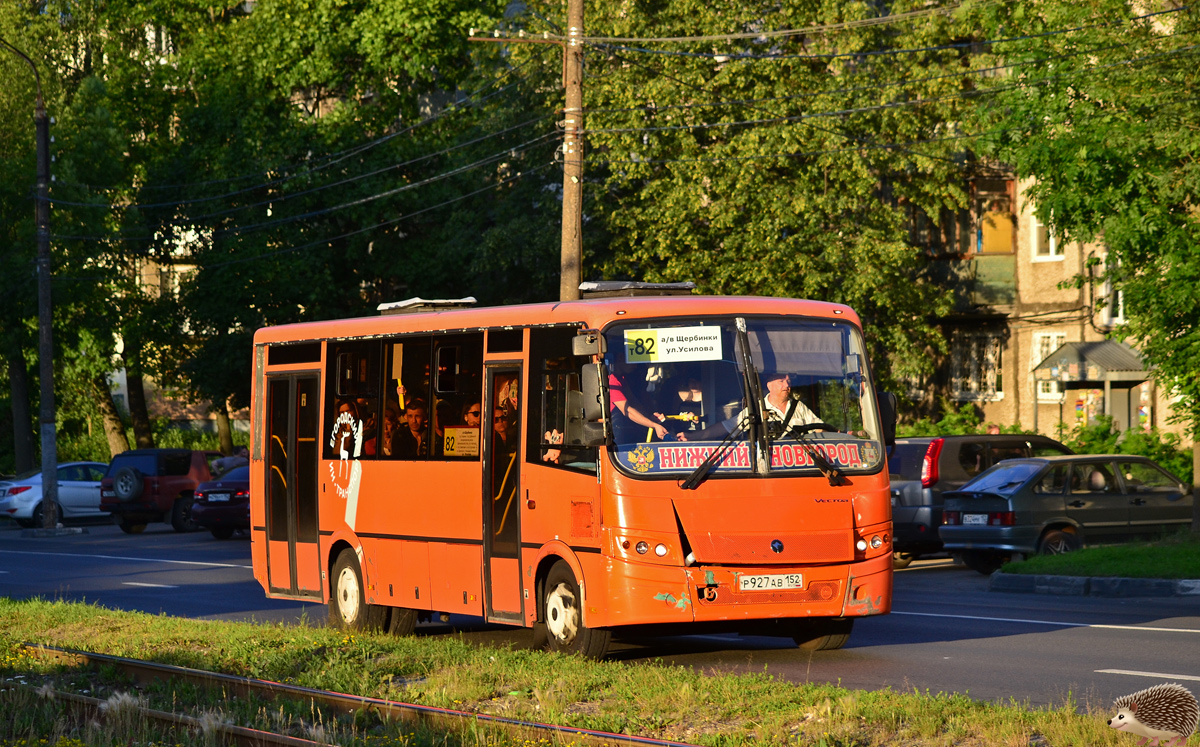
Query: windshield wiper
800, 433
760, 457
693, 480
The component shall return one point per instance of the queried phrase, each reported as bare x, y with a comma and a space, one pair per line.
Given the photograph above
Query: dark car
222, 506
922, 469
145, 485
1057, 504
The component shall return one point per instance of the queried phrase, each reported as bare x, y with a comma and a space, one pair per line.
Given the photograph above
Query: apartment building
1028, 344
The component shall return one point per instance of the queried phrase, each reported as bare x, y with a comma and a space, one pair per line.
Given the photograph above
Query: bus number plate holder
771, 582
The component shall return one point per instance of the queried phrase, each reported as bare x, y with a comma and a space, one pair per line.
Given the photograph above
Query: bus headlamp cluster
643, 548
876, 542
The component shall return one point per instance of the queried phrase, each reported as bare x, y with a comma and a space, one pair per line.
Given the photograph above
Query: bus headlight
660, 550
876, 542
642, 548
861, 545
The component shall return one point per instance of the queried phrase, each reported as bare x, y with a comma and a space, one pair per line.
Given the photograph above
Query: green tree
1104, 117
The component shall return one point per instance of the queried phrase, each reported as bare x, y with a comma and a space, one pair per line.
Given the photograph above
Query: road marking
1156, 675
1048, 622
136, 560
152, 586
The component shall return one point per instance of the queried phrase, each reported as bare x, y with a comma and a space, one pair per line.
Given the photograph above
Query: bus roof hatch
416, 305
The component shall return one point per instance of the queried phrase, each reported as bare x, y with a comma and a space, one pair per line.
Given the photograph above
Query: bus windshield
781, 396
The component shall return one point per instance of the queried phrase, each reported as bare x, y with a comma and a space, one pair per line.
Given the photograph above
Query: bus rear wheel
348, 608
823, 634
562, 615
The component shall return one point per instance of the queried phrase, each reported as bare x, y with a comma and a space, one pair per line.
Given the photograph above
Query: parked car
222, 506
1058, 504
145, 485
923, 469
78, 493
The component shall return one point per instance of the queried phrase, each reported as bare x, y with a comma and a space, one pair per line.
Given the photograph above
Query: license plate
218, 497
975, 518
771, 581
108, 494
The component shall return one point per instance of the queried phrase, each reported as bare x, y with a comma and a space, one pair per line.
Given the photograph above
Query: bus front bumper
644, 594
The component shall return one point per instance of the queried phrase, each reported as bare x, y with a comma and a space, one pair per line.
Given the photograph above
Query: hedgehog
1158, 713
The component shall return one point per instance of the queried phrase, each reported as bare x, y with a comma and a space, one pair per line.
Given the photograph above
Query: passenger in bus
472, 413
630, 423
384, 444
412, 441
779, 407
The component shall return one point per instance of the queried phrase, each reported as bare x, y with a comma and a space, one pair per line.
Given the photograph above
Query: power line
329, 241
893, 105
337, 157
914, 15
507, 152
284, 197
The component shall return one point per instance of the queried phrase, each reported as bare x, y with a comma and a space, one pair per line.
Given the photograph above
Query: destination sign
674, 457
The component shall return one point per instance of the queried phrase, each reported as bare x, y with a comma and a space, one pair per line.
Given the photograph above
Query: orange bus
641, 464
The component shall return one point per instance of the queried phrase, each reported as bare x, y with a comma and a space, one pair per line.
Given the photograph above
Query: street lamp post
45, 308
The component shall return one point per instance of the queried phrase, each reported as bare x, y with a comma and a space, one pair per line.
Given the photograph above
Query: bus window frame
866, 381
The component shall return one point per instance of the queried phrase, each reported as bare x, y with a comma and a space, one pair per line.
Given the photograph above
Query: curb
59, 532
1099, 586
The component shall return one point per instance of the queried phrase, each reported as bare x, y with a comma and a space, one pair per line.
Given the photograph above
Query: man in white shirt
777, 404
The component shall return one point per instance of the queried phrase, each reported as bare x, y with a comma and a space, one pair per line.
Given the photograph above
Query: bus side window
352, 400
556, 376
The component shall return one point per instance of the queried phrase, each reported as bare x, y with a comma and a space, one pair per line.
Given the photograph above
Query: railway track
145, 673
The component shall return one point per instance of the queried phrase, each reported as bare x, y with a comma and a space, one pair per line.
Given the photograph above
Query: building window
1114, 307
1045, 343
1046, 247
995, 222
976, 373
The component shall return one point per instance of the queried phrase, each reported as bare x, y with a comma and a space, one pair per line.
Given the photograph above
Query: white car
78, 493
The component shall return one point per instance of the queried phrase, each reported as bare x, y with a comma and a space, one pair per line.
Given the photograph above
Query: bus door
501, 493
293, 556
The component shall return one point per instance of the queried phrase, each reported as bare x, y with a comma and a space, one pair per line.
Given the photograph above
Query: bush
954, 422
94, 447
1102, 437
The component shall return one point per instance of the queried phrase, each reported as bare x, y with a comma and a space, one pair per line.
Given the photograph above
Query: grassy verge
1175, 557
650, 700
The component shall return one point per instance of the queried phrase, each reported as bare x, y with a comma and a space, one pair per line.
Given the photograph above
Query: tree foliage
1104, 117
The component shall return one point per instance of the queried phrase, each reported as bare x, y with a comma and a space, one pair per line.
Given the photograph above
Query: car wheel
823, 634
984, 562
902, 559
562, 612
128, 484
129, 527
1057, 542
38, 517
181, 515
222, 533
348, 608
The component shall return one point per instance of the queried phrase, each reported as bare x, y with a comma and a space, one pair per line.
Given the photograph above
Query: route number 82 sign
672, 344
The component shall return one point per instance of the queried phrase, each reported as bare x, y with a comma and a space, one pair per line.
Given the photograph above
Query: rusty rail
146, 672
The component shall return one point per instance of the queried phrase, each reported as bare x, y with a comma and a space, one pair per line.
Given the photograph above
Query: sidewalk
1095, 586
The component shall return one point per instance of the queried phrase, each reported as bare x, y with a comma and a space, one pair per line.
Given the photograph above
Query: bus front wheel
823, 634
348, 608
562, 615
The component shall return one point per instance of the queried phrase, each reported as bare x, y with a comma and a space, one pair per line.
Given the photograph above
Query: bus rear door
501, 494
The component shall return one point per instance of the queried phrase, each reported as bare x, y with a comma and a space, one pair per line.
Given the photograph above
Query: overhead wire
337, 157
492, 158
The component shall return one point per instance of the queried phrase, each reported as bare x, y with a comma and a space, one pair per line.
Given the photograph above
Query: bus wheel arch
561, 624
348, 607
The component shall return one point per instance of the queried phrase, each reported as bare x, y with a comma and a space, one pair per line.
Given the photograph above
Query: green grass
1174, 557
707, 708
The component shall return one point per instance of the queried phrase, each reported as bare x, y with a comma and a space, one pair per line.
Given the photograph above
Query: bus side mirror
887, 415
588, 342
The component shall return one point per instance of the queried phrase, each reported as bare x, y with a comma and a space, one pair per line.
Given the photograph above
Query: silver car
78, 493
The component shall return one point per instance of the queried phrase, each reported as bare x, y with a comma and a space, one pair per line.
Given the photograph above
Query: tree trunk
18, 379
224, 435
135, 384
114, 428
1196, 483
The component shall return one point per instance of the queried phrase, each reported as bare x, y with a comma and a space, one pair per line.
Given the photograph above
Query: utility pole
45, 308
572, 215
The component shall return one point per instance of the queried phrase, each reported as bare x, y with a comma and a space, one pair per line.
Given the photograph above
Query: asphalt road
946, 633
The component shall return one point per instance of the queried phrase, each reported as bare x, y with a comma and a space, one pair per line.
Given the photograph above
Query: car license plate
771, 581
108, 494
218, 497
975, 518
